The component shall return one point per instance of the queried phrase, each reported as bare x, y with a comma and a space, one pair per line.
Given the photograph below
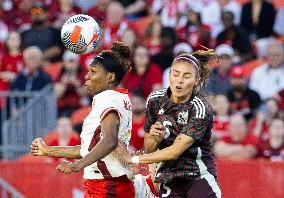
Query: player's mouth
178, 88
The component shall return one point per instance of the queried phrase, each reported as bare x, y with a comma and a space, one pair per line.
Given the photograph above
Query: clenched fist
38, 147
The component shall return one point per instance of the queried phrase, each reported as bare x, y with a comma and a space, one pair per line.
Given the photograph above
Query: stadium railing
6, 190
25, 116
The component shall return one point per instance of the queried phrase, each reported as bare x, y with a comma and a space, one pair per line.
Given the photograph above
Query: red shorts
120, 187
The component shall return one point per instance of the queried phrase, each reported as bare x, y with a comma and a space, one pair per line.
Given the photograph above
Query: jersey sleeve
151, 114
199, 123
107, 104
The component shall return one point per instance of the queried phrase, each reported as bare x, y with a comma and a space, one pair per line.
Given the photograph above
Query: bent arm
108, 142
70, 152
181, 143
151, 143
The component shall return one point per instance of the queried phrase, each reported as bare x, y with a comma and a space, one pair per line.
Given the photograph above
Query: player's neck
180, 100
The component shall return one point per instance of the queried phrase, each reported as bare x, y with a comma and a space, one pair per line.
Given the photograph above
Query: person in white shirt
268, 79
110, 120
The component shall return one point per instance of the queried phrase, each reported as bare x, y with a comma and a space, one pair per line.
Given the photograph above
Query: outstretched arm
107, 143
181, 143
39, 148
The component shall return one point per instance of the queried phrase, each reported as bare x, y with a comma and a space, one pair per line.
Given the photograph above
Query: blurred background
42, 91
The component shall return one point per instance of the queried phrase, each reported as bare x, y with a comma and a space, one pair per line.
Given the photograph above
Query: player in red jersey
178, 123
109, 121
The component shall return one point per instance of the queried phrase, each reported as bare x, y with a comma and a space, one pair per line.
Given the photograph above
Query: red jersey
12, 64
265, 150
137, 134
220, 126
52, 139
143, 84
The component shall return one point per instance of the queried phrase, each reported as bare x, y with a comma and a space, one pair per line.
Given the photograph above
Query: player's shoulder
156, 95
201, 106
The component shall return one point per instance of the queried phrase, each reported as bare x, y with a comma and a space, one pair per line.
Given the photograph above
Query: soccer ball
80, 34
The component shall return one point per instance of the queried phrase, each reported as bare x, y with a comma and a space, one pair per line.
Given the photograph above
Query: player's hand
68, 167
158, 131
37, 147
123, 154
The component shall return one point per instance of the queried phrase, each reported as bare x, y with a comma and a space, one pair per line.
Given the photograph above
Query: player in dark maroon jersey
178, 130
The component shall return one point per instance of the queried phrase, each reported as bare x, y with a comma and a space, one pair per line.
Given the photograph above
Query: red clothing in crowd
52, 139
263, 132
137, 134
153, 49
55, 12
248, 140
192, 35
266, 151
220, 126
10, 63
113, 33
134, 82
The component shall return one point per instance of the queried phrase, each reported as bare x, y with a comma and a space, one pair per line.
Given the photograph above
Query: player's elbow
110, 143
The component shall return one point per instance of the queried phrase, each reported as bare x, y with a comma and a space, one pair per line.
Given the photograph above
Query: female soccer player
109, 120
178, 123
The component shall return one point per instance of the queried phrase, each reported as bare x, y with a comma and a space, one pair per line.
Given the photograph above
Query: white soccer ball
80, 34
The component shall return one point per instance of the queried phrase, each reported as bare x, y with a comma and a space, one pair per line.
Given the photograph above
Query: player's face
96, 79
182, 80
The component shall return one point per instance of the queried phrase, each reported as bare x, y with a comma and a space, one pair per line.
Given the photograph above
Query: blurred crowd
246, 87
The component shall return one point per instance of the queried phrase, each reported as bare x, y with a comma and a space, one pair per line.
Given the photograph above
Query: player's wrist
45, 150
135, 160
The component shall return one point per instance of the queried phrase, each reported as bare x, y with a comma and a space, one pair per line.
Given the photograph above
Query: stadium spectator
168, 41
69, 88
221, 108
242, 99
267, 80
257, 18
42, 35
85, 6
134, 9
273, 148
152, 36
169, 11
219, 82
129, 38
267, 112
16, 14
12, 62
232, 6
115, 24
278, 25
60, 11
145, 76
235, 36
63, 135
138, 120
194, 31
179, 49
32, 77
98, 11
239, 144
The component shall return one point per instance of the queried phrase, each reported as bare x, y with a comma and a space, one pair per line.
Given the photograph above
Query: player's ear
111, 77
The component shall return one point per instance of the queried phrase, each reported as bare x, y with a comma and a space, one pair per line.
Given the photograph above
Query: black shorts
203, 188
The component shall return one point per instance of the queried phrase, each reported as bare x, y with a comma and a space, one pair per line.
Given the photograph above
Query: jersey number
165, 124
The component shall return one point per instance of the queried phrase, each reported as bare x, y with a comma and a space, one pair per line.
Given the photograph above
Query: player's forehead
183, 67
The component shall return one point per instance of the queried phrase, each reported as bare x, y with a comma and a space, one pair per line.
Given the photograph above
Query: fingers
158, 125
64, 167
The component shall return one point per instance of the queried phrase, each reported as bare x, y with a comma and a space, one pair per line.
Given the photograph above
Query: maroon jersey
193, 118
